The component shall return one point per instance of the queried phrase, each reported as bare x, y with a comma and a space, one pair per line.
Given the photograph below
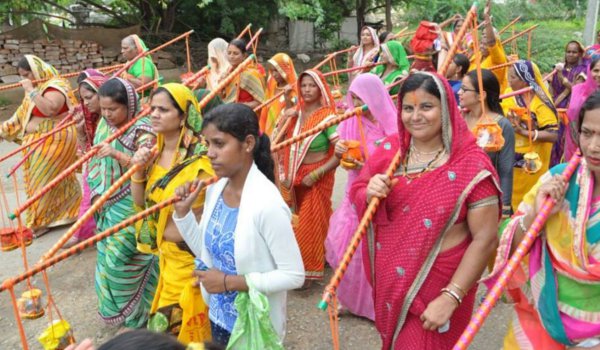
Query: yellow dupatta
249, 80
14, 128
284, 65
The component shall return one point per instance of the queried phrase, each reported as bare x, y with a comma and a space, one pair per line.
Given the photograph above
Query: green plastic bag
253, 328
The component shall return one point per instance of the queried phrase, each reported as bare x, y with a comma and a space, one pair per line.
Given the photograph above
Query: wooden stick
93, 209
67, 75
225, 82
76, 249
40, 141
244, 31
522, 249
317, 129
504, 42
33, 142
348, 70
509, 25
68, 171
459, 37
356, 238
254, 38
127, 65
334, 54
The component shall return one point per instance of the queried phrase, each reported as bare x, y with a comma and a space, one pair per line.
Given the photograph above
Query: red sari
402, 256
310, 205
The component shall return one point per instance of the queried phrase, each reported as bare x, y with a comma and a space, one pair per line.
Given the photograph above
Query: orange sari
310, 205
270, 114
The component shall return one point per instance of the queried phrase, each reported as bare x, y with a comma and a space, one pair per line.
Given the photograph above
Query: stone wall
64, 55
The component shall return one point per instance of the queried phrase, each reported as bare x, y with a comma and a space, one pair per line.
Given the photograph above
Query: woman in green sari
125, 278
143, 70
396, 64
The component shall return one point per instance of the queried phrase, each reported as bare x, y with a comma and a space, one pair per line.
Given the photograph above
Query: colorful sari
354, 291
543, 115
402, 256
556, 289
311, 205
270, 114
247, 86
217, 49
579, 94
125, 277
143, 67
91, 122
396, 53
60, 205
177, 301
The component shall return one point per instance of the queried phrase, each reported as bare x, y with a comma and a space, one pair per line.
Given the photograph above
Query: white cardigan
265, 248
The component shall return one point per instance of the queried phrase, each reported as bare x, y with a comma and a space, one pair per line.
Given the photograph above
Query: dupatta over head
412, 221
361, 57
91, 119
217, 49
529, 72
284, 65
579, 94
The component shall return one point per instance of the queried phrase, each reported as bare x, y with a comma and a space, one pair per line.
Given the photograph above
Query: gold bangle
446, 293
460, 289
138, 181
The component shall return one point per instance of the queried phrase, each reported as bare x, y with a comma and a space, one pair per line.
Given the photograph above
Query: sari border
426, 267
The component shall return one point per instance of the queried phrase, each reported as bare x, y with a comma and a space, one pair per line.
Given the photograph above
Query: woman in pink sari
436, 226
377, 123
579, 94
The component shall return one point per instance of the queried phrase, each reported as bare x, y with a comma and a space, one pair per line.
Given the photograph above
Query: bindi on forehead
411, 98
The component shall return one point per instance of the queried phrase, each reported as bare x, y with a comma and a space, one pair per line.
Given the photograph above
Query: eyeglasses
465, 90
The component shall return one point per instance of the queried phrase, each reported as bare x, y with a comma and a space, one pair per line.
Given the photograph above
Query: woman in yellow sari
177, 307
45, 104
282, 77
543, 132
247, 87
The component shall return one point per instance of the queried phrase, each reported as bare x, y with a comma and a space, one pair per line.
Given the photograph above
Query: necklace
417, 154
425, 169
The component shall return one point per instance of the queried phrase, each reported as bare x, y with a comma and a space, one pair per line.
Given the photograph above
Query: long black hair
491, 87
240, 121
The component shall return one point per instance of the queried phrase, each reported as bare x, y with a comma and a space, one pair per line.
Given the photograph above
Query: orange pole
67, 75
244, 31
504, 42
254, 38
509, 25
94, 208
524, 90
332, 55
459, 37
149, 52
502, 65
76, 249
225, 81
348, 70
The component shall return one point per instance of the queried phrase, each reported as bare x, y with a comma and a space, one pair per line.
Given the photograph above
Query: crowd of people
481, 145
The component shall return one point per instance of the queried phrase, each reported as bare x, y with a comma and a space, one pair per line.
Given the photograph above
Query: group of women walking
473, 170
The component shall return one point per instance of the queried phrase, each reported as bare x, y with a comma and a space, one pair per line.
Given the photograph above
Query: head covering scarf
132, 98
91, 119
327, 99
139, 43
91, 72
561, 96
528, 72
217, 49
284, 65
405, 212
361, 57
371, 91
579, 94
396, 53
189, 139
14, 128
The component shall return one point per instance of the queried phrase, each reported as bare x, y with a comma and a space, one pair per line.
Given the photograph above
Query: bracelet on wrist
459, 288
225, 283
33, 93
452, 294
138, 181
447, 294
